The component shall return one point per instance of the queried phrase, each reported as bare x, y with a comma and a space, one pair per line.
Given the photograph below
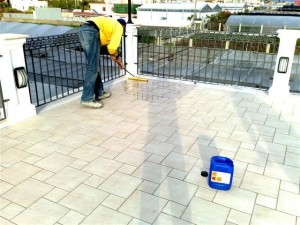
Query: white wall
106, 8
19, 106
25, 4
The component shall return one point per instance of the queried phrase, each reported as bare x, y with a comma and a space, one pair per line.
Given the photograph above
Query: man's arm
115, 40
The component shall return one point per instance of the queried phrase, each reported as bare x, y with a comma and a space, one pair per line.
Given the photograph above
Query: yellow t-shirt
111, 32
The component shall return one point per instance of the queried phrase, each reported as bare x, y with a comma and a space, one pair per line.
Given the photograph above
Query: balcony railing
56, 64
210, 57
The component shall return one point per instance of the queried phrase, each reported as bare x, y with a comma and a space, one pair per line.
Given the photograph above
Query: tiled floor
138, 160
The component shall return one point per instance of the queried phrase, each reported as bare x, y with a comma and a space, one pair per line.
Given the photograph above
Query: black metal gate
210, 57
55, 66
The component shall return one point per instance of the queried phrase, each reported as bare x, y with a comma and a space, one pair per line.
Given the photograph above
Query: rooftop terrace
138, 159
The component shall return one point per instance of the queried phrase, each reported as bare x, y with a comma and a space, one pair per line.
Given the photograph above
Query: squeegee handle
121, 66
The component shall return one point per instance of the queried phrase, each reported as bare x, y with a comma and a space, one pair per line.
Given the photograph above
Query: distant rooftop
267, 20
34, 30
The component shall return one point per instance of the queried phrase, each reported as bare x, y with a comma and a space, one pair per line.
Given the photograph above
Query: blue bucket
220, 173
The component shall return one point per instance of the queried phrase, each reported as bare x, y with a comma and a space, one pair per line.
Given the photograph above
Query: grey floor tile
12, 156
178, 174
56, 194
237, 217
113, 202
148, 153
179, 161
11, 210
132, 157
279, 124
293, 149
283, 172
176, 190
71, 217
94, 181
289, 140
255, 116
225, 143
152, 172
199, 212
68, 178
266, 201
244, 136
222, 127
262, 130
127, 169
34, 136
174, 209
253, 157
289, 203
27, 192
116, 144
292, 159
163, 130
143, 206
148, 187
120, 184
125, 127
266, 216
261, 184
18, 172
41, 212
184, 124
290, 187
87, 152
158, 148
7, 143
203, 151
102, 167
3, 202
185, 141
5, 221
194, 177
236, 198
75, 140
89, 198
271, 148
206, 193
171, 220
46, 147
55, 162
203, 133
105, 216
135, 221
4, 187
141, 136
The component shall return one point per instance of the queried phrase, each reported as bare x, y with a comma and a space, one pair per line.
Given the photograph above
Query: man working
94, 33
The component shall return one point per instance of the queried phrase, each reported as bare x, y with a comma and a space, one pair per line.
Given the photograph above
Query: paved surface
138, 160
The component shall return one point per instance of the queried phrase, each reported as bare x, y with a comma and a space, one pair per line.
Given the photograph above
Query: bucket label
220, 177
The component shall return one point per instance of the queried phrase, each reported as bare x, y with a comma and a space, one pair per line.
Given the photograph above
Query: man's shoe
94, 105
105, 95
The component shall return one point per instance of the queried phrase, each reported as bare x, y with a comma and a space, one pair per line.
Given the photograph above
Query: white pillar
19, 106
227, 44
280, 87
131, 48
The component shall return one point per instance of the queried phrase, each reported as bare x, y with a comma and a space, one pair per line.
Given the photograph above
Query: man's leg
89, 39
98, 90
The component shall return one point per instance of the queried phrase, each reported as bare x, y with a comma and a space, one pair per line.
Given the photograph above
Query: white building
172, 14
25, 4
234, 7
103, 8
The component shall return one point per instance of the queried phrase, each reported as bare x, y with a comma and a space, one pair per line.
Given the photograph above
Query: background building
25, 4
